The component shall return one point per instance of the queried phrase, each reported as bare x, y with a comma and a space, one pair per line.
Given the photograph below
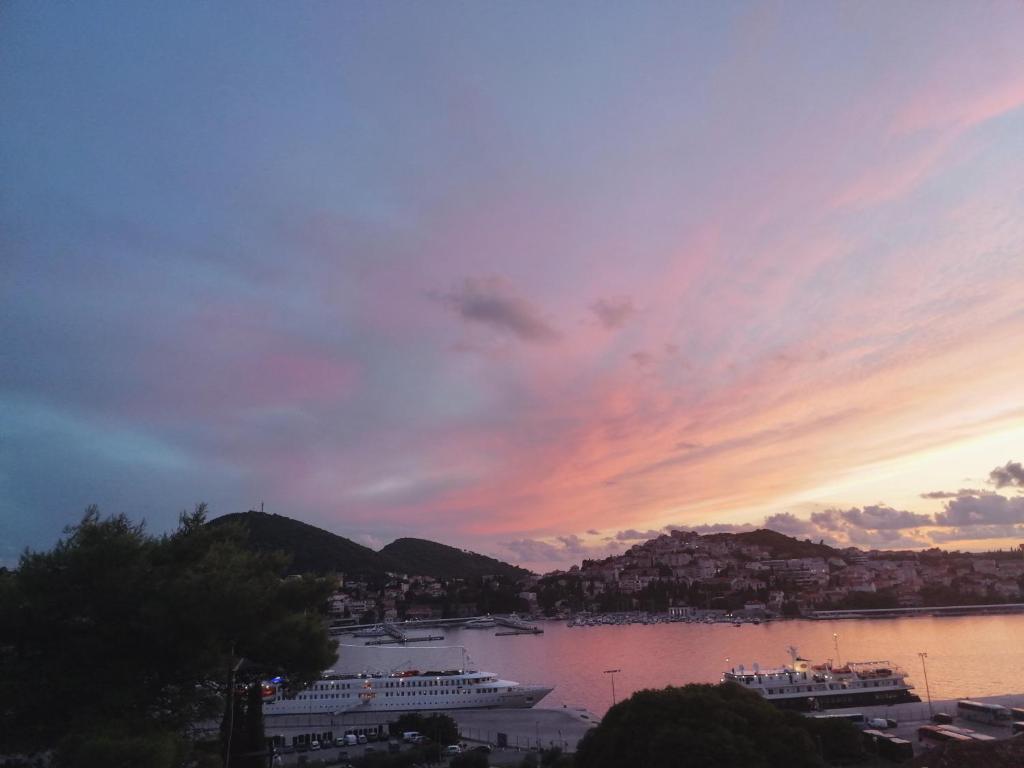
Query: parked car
485, 748
453, 749
362, 738
314, 744
942, 718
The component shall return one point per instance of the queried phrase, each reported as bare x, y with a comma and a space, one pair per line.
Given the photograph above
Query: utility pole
928, 690
612, 673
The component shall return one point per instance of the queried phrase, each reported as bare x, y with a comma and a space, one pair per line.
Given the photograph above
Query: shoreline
721, 617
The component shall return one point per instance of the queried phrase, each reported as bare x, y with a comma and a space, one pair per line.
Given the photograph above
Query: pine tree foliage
114, 630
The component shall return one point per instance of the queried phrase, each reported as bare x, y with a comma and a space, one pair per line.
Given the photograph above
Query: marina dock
396, 635
516, 626
396, 632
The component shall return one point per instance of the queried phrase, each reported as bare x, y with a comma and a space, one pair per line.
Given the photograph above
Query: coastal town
757, 574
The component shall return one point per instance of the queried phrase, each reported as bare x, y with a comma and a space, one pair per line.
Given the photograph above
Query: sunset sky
535, 279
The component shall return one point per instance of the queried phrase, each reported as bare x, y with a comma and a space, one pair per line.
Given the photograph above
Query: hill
780, 545
313, 550
428, 558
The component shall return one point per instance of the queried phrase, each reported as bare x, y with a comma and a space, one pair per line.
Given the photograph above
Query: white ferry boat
408, 690
809, 687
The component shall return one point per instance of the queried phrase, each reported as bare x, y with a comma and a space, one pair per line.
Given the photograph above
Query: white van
351, 739
410, 737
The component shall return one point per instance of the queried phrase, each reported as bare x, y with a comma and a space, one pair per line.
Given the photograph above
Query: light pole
612, 673
928, 690
835, 642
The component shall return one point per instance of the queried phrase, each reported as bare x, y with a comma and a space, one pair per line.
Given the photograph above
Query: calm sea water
967, 656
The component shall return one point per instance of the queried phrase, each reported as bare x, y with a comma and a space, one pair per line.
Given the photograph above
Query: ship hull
520, 697
843, 700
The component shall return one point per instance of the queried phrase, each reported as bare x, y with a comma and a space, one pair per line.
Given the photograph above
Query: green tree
471, 759
722, 726
116, 632
440, 728
555, 758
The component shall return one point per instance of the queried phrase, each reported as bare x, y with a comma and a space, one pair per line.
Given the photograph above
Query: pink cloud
243, 362
958, 107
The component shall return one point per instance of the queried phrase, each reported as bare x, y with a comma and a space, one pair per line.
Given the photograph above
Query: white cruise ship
808, 687
409, 690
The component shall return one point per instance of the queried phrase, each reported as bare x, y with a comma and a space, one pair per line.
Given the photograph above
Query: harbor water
967, 656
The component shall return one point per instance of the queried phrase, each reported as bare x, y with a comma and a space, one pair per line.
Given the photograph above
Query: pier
397, 636
396, 632
515, 626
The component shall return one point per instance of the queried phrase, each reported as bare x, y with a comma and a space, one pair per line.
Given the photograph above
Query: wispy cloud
493, 302
634, 535
613, 312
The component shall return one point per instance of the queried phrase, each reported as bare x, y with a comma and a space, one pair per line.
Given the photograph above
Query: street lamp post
835, 641
612, 673
927, 689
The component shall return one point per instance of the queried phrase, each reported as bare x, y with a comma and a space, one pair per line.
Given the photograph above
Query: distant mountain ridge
314, 550
428, 558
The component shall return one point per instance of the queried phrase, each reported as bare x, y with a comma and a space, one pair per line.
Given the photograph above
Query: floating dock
397, 636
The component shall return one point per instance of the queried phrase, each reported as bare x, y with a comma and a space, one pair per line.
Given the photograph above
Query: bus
895, 749
956, 729
1017, 713
934, 735
1017, 727
887, 746
857, 718
983, 713
870, 739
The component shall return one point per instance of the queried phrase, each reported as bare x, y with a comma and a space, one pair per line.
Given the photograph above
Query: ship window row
412, 693
427, 683
800, 688
411, 684
323, 696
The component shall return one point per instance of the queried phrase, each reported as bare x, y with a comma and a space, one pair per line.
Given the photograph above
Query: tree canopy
116, 631
439, 727
701, 726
